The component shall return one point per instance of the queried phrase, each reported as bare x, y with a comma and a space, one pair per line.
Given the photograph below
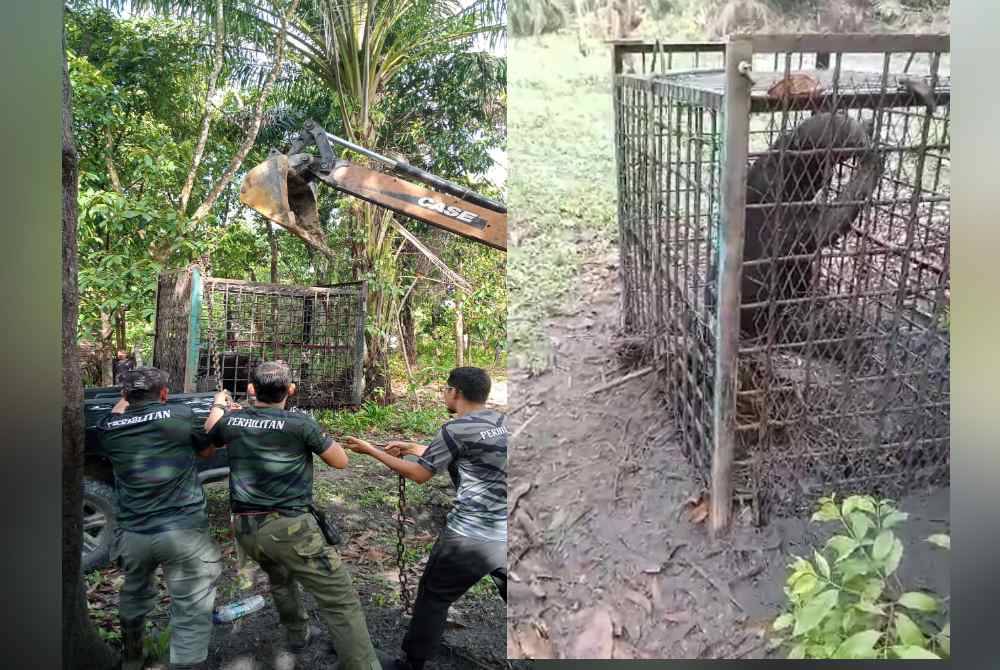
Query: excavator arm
282, 189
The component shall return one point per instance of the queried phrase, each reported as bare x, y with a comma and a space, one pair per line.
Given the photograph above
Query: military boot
132, 653
298, 640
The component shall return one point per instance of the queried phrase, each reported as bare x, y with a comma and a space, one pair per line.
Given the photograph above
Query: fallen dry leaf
595, 634
640, 600
679, 616
532, 644
795, 84
699, 512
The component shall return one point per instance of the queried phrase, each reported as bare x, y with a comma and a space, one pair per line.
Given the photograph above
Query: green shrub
847, 602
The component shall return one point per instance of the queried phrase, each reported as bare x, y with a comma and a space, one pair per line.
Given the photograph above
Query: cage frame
737, 104
189, 288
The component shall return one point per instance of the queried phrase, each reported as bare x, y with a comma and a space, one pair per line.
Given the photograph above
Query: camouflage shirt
152, 448
473, 448
270, 457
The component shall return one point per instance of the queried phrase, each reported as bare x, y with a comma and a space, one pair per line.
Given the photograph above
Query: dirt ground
473, 638
604, 561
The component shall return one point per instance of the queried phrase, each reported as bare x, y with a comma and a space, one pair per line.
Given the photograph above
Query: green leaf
854, 567
819, 651
893, 518
851, 503
798, 651
870, 608
861, 523
827, 512
895, 556
920, 602
910, 651
783, 621
883, 545
872, 589
909, 633
843, 545
866, 504
821, 564
804, 584
814, 611
859, 645
849, 620
941, 540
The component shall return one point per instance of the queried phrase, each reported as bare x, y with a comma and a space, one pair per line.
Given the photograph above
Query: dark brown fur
774, 232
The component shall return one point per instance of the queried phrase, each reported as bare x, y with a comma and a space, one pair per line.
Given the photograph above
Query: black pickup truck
99, 481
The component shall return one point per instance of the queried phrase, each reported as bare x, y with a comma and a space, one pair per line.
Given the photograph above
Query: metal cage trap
784, 221
211, 333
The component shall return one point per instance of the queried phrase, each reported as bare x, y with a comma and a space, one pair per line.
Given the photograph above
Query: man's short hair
271, 381
472, 383
143, 383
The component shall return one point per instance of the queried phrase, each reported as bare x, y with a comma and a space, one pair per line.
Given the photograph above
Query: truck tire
98, 524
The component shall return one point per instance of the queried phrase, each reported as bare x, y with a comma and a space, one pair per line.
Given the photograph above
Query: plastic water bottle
235, 610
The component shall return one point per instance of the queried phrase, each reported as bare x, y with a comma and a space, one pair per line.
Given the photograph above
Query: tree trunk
408, 331
120, 328
107, 351
272, 239
459, 336
83, 648
377, 372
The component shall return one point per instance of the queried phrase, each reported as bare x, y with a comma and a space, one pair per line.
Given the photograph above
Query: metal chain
404, 593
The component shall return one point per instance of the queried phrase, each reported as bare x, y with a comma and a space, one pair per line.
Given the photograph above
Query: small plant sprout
846, 600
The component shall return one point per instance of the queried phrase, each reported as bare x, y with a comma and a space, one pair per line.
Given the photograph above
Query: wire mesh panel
841, 368
236, 325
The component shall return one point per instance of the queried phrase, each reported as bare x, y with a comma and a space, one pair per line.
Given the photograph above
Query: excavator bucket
281, 195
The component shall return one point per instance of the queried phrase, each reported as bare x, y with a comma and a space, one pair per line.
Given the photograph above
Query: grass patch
562, 190
398, 419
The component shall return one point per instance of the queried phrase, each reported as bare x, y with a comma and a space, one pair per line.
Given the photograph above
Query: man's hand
359, 446
399, 449
120, 406
223, 398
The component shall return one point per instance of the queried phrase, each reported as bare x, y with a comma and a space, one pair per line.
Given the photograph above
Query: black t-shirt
152, 447
270, 457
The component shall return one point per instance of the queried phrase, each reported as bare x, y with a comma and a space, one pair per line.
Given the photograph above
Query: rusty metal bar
739, 53
845, 42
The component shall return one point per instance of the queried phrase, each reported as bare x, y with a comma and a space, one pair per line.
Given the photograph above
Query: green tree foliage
141, 80
140, 85
135, 84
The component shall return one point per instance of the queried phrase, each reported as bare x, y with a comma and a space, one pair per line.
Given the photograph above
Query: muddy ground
604, 559
363, 500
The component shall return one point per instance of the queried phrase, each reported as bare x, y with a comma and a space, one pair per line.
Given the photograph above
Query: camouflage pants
293, 551
455, 565
191, 564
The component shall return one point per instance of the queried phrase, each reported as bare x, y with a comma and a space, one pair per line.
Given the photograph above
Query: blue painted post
194, 332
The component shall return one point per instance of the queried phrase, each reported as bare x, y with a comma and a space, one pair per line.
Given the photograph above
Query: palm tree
356, 48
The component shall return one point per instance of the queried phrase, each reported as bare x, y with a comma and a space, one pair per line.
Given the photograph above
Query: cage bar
785, 257
211, 333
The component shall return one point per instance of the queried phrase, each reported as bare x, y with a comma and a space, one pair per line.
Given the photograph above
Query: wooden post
731, 237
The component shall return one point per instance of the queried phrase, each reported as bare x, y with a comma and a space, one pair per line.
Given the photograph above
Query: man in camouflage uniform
473, 449
270, 482
161, 517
